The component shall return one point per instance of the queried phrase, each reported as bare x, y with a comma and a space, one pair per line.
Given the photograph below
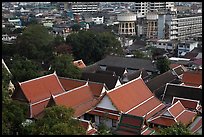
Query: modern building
152, 25
142, 8
79, 7
168, 25
186, 46
187, 26
127, 23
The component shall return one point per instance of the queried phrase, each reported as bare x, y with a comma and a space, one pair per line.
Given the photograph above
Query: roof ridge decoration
168, 109
124, 84
174, 97
37, 78
70, 90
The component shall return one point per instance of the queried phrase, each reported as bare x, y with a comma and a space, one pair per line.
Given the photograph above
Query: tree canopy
24, 69
92, 47
57, 120
163, 64
64, 67
13, 112
35, 43
176, 129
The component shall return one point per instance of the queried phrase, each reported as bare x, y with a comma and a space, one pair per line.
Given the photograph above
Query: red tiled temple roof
132, 95
41, 88
192, 78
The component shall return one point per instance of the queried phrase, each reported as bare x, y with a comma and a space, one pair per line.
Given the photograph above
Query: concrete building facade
127, 23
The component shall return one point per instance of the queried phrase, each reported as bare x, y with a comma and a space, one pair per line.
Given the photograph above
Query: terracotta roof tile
38, 108
69, 83
148, 110
189, 104
96, 88
193, 78
176, 109
129, 95
79, 64
186, 117
161, 120
41, 88
136, 98
179, 113
147, 131
81, 99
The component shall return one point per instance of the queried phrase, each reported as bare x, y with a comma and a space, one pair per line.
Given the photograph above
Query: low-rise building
186, 46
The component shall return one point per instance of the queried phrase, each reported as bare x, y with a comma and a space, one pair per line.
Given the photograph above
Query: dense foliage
35, 43
64, 67
13, 112
92, 47
57, 120
163, 64
176, 129
35, 51
24, 69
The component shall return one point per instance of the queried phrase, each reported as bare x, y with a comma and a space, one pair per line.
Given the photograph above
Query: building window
114, 123
188, 46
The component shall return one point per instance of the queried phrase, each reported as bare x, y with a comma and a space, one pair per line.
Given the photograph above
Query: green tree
103, 129
57, 120
35, 43
76, 27
163, 64
24, 69
139, 54
176, 129
92, 47
13, 112
64, 67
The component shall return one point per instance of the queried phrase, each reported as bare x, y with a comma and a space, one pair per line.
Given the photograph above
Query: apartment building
79, 7
186, 46
142, 8
186, 26
168, 25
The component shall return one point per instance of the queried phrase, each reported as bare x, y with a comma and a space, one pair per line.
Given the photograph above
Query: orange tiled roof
96, 88
176, 109
161, 120
186, 117
81, 99
79, 64
132, 97
148, 110
187, 103
69, 84
41, 88
36, 109
179, 114
192, 78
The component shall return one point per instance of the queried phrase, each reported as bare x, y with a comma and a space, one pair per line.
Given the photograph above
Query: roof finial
140, 74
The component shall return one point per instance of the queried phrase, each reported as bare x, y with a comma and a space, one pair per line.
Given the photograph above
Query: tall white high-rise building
142, 8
